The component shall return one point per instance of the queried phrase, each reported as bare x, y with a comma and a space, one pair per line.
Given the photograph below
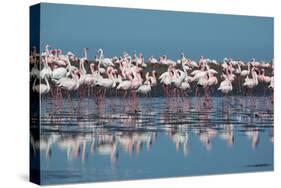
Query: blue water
121, 139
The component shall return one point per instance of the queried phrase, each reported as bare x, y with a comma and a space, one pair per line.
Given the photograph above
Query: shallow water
120, 139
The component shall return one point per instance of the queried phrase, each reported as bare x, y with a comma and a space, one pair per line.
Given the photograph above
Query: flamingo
226, 85
212, 79
153, 61
271, 85
125, 73
34, 73
251, 82
125, 85
153, 79
106, 83
246, 72
69, 84
104, 61
41, 88
46, 71
145, 88
263, 77
164, 60
166, 79
185, 83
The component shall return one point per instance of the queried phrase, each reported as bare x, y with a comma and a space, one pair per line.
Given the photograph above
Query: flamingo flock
59, 75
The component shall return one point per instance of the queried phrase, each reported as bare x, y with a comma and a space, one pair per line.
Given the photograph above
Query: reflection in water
135, 138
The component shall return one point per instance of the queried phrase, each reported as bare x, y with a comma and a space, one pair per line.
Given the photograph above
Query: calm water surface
120, 139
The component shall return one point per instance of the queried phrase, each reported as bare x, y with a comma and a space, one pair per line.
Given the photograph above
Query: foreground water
120, 139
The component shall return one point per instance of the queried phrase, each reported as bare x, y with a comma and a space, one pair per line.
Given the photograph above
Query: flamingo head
77, 73
147, 75
115, 59
92, 66
256, 70
139, 69
53, 52
100, 51
125, 54
84, 60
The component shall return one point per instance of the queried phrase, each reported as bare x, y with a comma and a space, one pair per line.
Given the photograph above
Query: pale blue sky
73, 27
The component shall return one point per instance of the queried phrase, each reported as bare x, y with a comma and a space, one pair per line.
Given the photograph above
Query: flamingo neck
82, 67
182, 65
254, 74
47, 83
34, 82
101, 53
74, 76
208, 70
92, 69
68, 62
100, 58
85, 53
46, 61
56, 53
153, 75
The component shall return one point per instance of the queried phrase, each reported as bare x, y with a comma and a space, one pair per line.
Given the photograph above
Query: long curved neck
227, 74
86, 53
129, 63
101, 53
100, 58
47, 49
254, 74
130, 77
182, 65
208, 70
46, 60
47, 83
92, 69
82, 66
239, 67
34, 82
99, 67
74, 76
147, 76
35, 64
68, 62
153, 75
